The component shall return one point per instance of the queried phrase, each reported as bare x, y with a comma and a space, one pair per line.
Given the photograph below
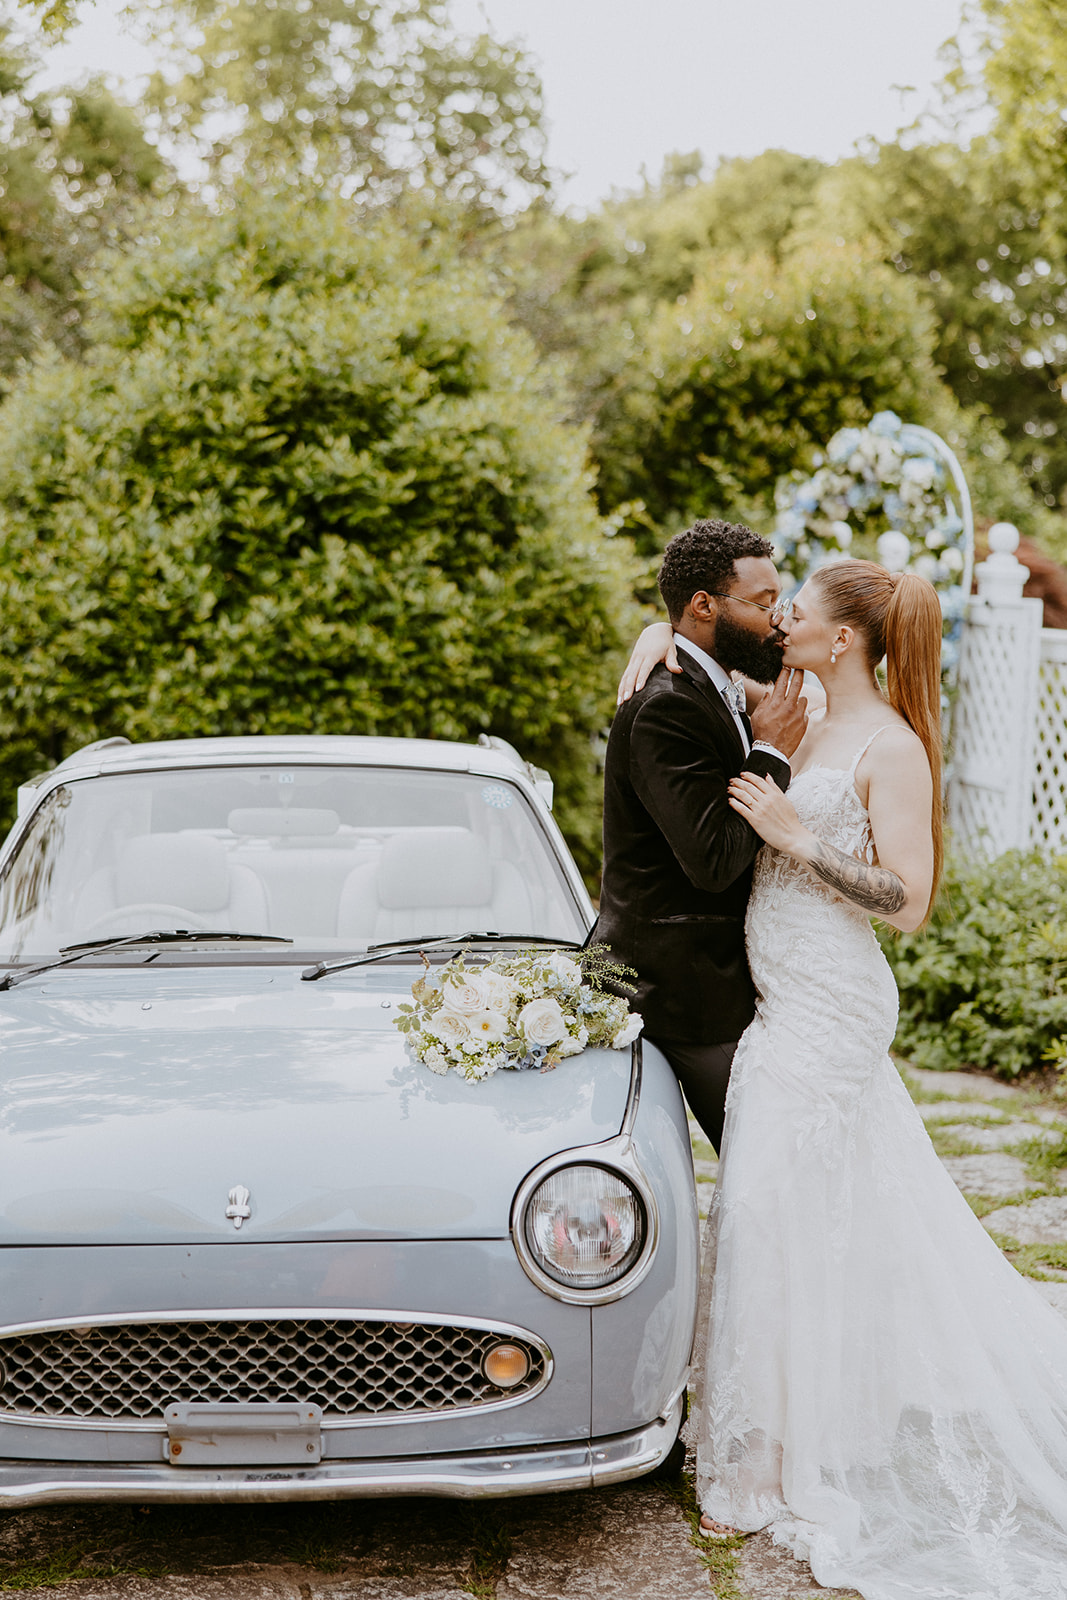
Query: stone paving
1006, 1147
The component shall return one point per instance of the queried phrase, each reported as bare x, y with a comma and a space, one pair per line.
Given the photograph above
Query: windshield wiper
75, 952
382, 952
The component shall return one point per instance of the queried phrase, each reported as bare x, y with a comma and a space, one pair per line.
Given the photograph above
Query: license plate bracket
234, 1434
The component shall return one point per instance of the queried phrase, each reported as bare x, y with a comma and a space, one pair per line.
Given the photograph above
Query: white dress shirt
720, 678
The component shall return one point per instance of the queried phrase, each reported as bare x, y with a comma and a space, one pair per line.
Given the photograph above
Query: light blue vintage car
249, 1248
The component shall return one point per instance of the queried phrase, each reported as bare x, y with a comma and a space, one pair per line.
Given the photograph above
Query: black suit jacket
677, 858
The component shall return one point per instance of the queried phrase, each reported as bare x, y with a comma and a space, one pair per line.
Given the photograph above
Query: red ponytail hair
898, 616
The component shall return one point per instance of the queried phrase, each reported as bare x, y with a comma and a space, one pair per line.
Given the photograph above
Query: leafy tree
755, 367
377, 95
1021, 59
959, 223
306, 480
582, 285
73, 166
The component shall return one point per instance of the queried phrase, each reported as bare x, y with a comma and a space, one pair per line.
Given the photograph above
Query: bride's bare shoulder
896, 746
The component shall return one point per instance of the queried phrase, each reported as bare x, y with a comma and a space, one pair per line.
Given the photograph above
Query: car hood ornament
238, 1209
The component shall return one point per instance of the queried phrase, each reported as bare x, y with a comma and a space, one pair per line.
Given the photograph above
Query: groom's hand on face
781, 716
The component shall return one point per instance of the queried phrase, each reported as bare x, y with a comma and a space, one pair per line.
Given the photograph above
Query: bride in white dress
881, 1389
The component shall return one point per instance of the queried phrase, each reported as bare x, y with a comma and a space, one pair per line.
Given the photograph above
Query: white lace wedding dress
881, 1389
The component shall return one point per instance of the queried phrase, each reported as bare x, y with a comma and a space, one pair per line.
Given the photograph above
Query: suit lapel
699, 678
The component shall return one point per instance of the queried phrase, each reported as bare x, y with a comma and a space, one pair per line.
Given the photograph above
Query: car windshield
333, 858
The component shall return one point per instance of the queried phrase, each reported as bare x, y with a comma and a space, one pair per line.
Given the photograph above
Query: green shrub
985, 984
306, 481
755, 368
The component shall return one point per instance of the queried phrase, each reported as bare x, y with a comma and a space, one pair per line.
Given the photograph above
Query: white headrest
434, 867
176, 869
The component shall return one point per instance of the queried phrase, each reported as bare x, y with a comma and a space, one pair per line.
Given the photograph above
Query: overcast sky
626, 81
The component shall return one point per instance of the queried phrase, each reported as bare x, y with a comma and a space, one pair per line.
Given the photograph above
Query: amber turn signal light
505, 1365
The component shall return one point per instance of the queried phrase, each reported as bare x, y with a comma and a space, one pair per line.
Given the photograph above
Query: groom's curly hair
703, 558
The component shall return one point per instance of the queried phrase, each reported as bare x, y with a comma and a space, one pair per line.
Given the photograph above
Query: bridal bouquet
515, 1012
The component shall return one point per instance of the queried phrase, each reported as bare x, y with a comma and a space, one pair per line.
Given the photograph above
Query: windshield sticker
497, 796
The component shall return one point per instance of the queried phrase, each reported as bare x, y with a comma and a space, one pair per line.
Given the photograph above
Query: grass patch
954, 1144
1025, 1258
74, 1561
1032, 1258
921, 1096
718, 1556
318, 1542
1045, 1161
490, 1536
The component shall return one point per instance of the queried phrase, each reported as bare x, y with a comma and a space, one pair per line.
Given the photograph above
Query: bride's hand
655, 644
762, 803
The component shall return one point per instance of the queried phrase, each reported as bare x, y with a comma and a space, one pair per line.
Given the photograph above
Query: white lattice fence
993, 725
1008, 783
1048, 802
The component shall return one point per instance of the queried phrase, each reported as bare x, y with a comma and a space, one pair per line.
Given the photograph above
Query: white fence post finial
1001, 576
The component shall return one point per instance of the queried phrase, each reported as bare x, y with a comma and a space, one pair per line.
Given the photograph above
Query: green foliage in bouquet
985, 984
306, 481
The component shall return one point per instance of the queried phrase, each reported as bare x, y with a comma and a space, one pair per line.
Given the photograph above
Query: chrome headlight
585, 1227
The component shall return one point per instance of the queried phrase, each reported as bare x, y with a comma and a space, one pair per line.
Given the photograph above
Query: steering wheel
150, 908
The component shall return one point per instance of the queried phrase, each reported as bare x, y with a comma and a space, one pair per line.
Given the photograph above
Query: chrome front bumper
532, 1471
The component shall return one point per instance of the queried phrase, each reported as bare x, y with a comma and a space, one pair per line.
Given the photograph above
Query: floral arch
892, 492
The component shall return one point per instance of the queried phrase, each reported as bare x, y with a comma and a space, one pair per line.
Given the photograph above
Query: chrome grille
351, 1369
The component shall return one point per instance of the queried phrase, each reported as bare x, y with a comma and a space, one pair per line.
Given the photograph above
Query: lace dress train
882, 1389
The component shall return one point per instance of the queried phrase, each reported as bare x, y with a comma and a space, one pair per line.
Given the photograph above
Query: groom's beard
738, 650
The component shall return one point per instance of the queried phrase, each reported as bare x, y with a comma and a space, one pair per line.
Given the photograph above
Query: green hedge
307, 480
984, 984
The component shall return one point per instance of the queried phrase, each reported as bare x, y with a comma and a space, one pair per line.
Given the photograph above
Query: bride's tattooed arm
874, 888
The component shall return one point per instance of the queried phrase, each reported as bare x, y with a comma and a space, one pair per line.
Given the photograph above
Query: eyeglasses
777, 613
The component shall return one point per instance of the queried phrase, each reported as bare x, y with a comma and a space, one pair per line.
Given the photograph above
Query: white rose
565, 970
435, 1060
488, 1026
499, 991
628, 1032
449, 1026
465, 994
571, 1047
542, 1022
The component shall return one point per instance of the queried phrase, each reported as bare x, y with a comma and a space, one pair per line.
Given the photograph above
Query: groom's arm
680, 772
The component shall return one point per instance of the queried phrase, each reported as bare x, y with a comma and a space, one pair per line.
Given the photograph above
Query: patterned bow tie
734, 695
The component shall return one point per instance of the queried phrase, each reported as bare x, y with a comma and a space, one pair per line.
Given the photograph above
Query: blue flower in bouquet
842, 446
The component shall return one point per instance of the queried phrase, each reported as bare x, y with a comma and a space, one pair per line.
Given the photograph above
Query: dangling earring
833, 657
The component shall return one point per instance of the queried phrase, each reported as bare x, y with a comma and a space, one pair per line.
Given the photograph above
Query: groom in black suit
677, 859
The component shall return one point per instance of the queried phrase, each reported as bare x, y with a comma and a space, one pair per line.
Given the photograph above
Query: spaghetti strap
858, 757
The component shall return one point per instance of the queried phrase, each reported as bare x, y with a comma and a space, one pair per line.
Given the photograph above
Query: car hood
133, 1101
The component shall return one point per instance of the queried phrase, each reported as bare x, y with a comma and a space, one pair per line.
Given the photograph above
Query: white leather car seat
187, 871
432, 881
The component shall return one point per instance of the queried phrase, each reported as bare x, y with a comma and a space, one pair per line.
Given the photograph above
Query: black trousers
703, 1070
